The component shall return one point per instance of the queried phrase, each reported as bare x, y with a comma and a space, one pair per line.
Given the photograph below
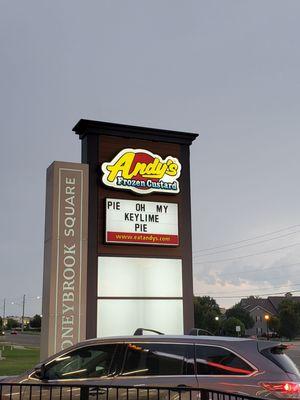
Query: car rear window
278, 356
213, 360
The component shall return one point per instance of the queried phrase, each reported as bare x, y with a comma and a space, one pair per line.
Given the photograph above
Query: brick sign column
65, 258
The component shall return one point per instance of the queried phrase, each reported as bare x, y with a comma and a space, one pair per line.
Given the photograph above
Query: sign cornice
86, 127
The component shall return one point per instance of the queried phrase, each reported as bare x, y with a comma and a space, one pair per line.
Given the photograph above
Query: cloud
228, 281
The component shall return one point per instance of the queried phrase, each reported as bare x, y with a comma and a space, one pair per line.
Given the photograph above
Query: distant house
16, 318
222, 310
259, 309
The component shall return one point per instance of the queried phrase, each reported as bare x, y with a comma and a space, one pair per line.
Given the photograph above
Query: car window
144, 359
212, 360
87, 362
278, 356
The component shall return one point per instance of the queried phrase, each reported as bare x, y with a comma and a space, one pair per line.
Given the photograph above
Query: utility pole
3, 323
23, 311
4, 304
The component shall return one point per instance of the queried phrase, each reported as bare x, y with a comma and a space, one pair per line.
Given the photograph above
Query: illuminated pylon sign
142, 172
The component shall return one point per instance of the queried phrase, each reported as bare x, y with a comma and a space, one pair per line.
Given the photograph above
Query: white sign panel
139, 277
141, 222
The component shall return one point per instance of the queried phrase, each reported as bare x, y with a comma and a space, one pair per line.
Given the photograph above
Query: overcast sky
228, 70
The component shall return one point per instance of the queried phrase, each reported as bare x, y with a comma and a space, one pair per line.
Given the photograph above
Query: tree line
11, 323
209, 317
287, 323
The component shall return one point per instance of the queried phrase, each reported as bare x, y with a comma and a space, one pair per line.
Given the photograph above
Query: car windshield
89, 362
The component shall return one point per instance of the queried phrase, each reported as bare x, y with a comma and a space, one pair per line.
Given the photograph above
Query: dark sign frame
101, 141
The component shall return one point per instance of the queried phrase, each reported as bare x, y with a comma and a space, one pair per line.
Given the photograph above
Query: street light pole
23, 312
3, 318
267, 318
217, 320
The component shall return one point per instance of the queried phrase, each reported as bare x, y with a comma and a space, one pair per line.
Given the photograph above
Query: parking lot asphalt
21, 339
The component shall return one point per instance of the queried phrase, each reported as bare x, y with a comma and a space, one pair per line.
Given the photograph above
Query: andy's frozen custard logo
142, 172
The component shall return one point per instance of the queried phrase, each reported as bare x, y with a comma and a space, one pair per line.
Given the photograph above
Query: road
21, 339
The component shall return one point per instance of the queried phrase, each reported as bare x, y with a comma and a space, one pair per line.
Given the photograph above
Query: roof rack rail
200, 332
139, 331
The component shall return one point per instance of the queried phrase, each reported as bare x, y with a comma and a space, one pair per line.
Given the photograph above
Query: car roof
164, 338
225, 341
230, 342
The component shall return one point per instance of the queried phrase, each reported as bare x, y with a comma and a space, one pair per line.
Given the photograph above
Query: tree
274, 324
229, 327
206, 310
237, 311
36, 321
1, 324
289, 316
12, 324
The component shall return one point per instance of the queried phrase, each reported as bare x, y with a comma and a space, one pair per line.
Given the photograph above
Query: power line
248, 255
16, 301
259, 294
19, 298
246, 240
247, 245
248, 281
246, 290
260, 269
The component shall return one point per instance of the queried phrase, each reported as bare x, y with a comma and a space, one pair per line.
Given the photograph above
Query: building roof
276, 300
252, 302
270, 304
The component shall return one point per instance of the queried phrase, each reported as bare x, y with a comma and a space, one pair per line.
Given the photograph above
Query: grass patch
18, 360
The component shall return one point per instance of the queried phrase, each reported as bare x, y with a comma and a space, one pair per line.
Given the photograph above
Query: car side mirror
39, 371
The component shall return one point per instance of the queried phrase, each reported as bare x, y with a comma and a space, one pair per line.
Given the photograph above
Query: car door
158, 364
221, 369
92, 365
